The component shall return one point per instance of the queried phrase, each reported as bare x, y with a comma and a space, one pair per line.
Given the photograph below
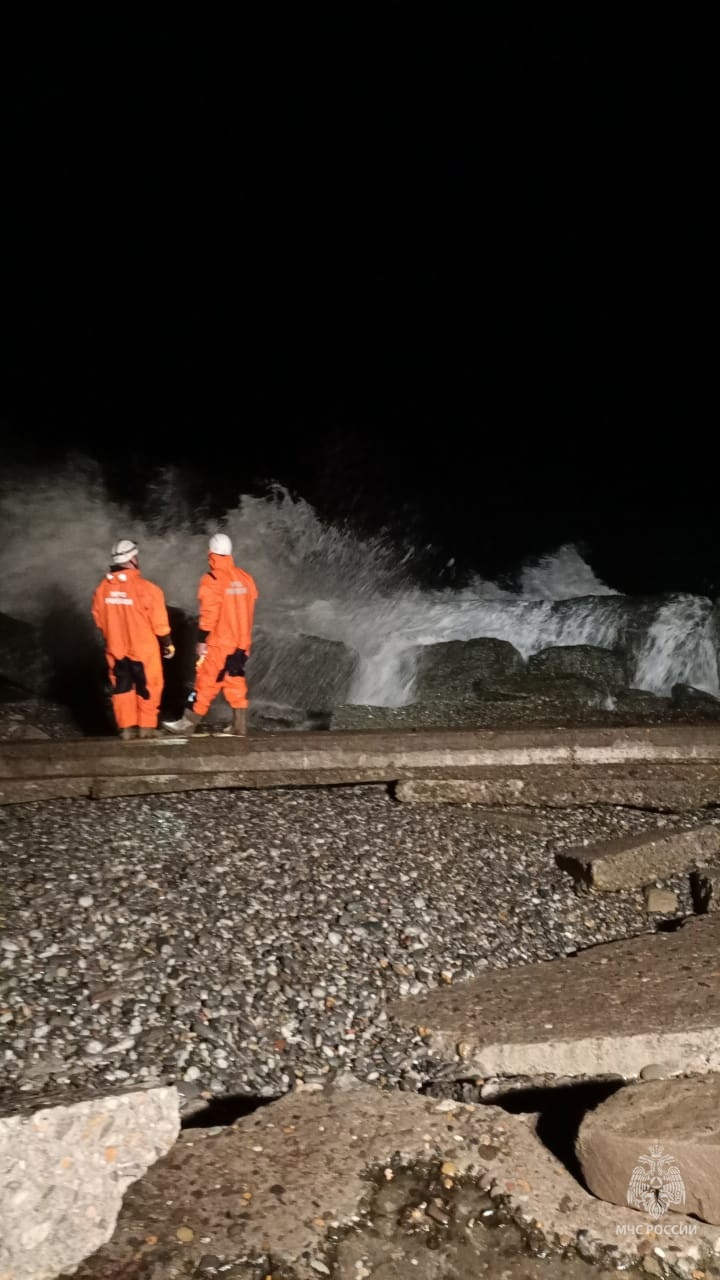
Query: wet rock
23, 659
24, 732
686, 695
607, 668
535, 691
282, 668
455, 666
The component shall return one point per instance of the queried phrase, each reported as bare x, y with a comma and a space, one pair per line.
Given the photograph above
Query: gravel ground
236, 942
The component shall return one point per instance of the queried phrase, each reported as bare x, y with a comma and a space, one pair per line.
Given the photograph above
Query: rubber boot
237, 727
128, 734
147, 733
186, 725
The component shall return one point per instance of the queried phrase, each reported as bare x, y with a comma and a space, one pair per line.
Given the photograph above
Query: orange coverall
227, 598
131, 613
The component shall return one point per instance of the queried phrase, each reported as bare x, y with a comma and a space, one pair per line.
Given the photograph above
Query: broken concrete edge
629, 862
459, 1143
526, 1190
565, 788
17, 1102
678, 1118
64, 1170
660, 788
612, 1008
621, 1056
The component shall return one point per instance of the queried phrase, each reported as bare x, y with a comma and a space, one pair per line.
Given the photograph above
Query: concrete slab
25, 790
64, 1170
611, 1010
290, 1185
656, 1146
630, 861
393, 751
666, 788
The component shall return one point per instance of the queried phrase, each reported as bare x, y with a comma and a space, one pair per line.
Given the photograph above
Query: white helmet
124, 551
221, 544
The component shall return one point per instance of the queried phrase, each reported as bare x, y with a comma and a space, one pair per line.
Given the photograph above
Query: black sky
448, 269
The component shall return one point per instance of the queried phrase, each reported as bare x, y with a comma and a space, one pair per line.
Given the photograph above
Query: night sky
442, 274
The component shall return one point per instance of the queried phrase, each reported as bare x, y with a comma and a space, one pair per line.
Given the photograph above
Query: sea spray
321, 579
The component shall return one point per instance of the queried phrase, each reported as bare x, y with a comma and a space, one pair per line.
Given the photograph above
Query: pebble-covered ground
237, 941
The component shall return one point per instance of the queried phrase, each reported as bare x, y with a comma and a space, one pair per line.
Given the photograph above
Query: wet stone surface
436, 1227
418, 1222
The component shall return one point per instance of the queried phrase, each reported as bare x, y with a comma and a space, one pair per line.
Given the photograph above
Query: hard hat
221, 544
124, 551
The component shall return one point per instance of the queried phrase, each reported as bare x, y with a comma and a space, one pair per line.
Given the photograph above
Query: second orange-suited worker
227, 596
132, 615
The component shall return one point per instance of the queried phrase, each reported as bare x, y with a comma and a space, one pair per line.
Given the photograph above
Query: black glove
235, 663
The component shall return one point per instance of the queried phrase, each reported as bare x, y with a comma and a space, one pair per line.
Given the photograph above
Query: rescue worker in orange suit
227, 596
132, 615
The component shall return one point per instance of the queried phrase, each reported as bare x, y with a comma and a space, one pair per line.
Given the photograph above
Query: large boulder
23, 659
561, 690
656, 1147
299, 671
668, 639
696, 701
11, 692
450, 671
607, 668
64, 1169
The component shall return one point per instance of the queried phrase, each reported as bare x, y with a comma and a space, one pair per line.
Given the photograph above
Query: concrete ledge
36, 770
665, 788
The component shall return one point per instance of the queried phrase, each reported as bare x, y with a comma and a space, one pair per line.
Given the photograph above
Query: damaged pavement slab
667, 1134
300, 1186
64, 1168
630, 861
669, 787
610, 1010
